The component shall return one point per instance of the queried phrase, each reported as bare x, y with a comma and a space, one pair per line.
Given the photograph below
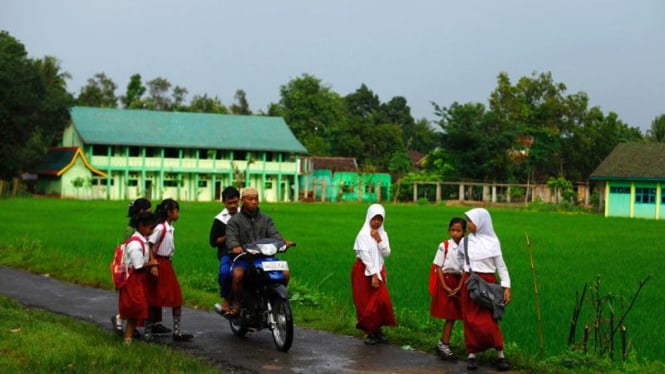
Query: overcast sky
425, 50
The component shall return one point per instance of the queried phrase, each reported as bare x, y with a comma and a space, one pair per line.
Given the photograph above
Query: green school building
120, 154
632, 179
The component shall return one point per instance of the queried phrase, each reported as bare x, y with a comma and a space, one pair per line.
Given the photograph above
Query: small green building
632, 179
338, 179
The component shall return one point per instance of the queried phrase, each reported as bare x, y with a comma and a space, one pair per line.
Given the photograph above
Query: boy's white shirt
137, 253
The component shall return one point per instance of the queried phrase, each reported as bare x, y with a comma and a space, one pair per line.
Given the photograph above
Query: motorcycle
264, 300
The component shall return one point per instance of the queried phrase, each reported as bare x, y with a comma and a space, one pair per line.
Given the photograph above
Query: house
339, 179
66, 172
632, 179
184, 156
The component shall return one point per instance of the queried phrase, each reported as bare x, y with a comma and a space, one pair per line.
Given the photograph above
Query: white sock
499, 354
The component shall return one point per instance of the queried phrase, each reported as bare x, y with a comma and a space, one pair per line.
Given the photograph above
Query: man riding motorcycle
246, 227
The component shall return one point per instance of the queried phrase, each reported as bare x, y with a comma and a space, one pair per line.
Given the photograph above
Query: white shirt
137, 251
491, 265
451, 263
167, 246
224, 216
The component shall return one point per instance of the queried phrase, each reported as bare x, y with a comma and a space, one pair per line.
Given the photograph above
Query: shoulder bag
487, 295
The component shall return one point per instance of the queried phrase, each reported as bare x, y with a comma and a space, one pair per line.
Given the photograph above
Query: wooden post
323, 190
378, 191
461, 192
438, 191
306, 186
314, 188
415, 192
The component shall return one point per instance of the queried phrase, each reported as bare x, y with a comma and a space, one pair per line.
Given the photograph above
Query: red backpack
120, 270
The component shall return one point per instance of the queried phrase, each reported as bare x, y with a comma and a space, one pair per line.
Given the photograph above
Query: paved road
312, 351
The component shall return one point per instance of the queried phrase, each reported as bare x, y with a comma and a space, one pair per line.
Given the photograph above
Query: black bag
487, 295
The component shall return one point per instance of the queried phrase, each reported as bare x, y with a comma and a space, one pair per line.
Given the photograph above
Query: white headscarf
484, 243
365, 242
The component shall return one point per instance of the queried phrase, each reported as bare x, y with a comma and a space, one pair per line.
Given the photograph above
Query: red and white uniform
164, 290
449, 259
132, 301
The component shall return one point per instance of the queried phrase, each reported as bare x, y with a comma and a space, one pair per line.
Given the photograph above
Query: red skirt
132, 301
164, 290
373, 305
443, 306
481, 331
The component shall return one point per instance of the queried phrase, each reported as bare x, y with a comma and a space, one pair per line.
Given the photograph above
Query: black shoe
160, 329
502, 364
472, 364
182, 337
117, 325
136, 334
371, 339
381, 337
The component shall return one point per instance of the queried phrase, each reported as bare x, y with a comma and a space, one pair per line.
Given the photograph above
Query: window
132, 182
171, 180
620, 190
240, 155
99, 150
101, 182
171, 153
134, 151
150, 152
645, 195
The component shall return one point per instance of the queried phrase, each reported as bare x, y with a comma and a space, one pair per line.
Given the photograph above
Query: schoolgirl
374, 308
132, 299
445, 284
135, 207
164, 290
481, 330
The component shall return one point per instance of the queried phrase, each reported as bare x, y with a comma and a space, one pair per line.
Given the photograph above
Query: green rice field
74, 240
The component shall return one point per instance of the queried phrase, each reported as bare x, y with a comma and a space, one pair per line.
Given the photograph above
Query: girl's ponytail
164, 207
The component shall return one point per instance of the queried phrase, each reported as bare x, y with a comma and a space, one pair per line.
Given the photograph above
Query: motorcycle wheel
237, 328
282, 334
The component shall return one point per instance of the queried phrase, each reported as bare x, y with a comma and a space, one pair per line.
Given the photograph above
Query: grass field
74, 240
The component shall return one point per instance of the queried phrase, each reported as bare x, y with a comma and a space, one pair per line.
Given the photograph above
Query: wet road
312, 351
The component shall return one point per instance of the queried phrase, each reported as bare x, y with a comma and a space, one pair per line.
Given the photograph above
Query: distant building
186, 156
66, 172
339, 179
632, 179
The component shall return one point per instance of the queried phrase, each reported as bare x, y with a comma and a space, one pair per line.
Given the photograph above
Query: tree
473, 141
34, 107
313, 112
99, 92
242, 106
657, 130
371, 134
158, 90
205, 104
135, 91
179, 94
